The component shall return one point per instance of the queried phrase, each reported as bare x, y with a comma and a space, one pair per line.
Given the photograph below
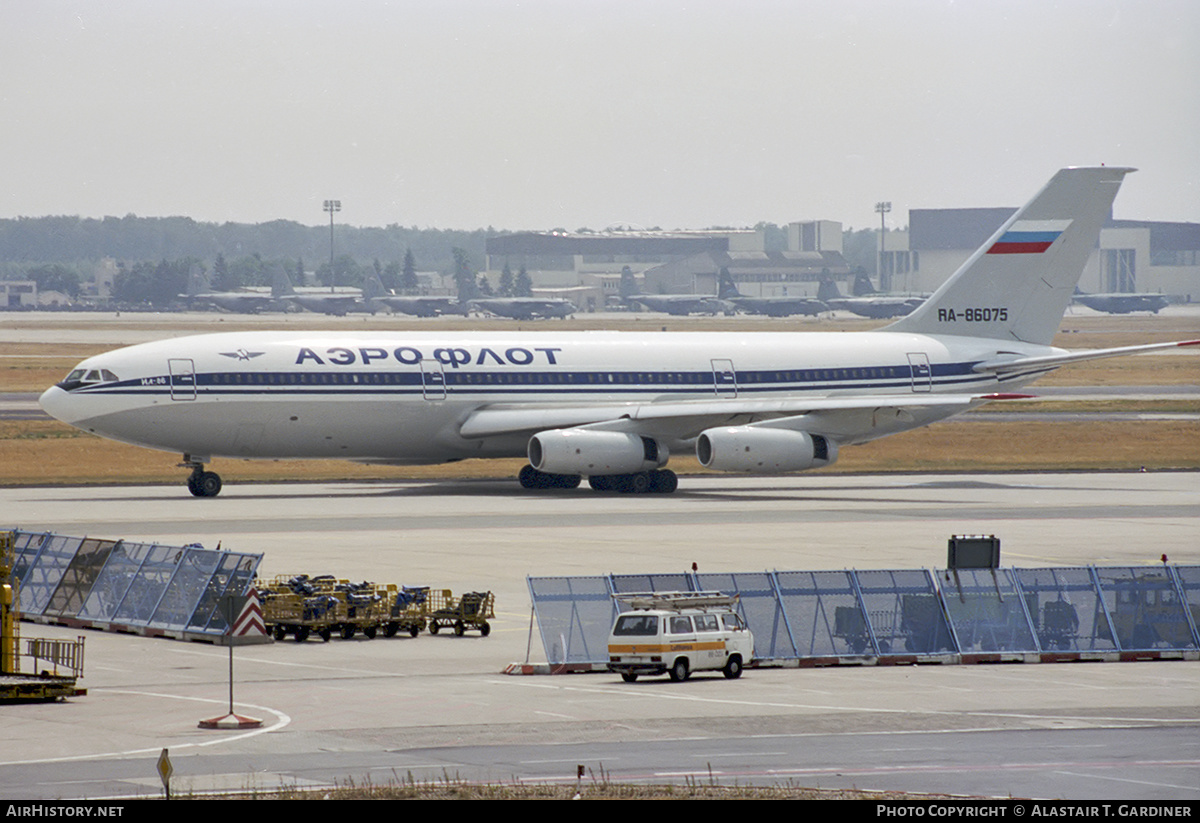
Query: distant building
672, 262
1134, 256
1150, 257
18, 294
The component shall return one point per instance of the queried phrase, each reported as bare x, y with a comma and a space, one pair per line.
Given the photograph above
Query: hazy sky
535, 115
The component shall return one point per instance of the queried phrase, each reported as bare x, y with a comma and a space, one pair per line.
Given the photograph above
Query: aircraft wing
843, 417
1000, 365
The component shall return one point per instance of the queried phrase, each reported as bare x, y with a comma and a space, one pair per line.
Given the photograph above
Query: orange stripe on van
660, 648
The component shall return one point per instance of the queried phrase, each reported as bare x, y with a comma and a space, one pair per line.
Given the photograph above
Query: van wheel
629, 677
679, 671
733, 668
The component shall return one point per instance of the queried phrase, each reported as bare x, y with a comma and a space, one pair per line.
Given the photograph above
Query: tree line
155, 254
71, 240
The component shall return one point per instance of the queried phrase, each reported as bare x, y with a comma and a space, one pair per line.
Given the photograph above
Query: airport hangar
1134, 256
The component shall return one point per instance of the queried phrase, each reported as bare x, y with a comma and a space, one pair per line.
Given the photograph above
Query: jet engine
759, 449
582, 451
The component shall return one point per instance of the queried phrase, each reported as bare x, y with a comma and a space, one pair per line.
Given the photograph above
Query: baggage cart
471, 611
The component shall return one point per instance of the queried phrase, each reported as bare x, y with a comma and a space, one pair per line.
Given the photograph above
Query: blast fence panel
99, 582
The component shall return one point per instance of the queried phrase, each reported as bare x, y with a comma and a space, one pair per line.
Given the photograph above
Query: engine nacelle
759, 449
582, 451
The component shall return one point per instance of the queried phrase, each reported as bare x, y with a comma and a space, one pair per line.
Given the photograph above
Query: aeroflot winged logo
242, 354
1029, 237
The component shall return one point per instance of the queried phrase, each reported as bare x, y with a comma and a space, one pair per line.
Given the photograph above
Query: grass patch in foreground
51, 453
592, 788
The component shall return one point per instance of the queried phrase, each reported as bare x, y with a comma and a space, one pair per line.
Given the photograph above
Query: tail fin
629, 286
1017, 285
828, 290
726, 288
863, 285
197, 282
281, 284
373, 287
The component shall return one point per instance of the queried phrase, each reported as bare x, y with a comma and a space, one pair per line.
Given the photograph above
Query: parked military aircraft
874, 304
525, 308
1122, 303
679, 305
417, 305
337, 303
611, 406
771, 306
242, 302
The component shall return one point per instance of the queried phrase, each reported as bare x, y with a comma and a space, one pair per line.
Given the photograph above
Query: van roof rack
676, 600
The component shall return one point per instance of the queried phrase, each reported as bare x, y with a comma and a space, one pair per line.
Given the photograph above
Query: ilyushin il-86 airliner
610, 406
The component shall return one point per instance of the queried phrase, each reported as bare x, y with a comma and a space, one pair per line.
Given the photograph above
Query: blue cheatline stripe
567, 384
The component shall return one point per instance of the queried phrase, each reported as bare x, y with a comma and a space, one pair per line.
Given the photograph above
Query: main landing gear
660, 481
201, 483
531, 478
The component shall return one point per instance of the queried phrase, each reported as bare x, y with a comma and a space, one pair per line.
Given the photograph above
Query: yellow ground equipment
48, 656
300, 606
409, 610
471, 611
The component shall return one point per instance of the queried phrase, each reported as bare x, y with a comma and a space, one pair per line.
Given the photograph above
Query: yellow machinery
44, 685
301, 606
9, 636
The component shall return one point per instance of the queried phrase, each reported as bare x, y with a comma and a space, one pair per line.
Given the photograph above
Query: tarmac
437, 707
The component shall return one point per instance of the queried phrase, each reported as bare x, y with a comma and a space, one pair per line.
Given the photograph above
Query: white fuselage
403, 396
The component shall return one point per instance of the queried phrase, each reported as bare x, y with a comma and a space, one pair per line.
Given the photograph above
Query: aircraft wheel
528, 477
601, 482
531, 478
665, 482
204, 484
638, 483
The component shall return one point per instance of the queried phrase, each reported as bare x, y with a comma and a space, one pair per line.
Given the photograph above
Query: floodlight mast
332, 206
883, 207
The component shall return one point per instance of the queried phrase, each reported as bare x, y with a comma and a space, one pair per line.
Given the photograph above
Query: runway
432, 707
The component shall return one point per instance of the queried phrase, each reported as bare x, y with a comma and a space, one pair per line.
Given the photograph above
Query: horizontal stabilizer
1002, 365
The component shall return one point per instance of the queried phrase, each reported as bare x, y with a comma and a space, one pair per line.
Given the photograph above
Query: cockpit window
87, 377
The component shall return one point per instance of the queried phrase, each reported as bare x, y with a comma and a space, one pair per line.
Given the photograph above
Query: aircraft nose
59, 405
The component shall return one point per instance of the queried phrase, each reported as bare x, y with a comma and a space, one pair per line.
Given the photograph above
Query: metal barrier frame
115, 584
915, 615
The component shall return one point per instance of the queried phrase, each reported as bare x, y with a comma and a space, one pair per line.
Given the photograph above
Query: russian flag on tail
1029, 237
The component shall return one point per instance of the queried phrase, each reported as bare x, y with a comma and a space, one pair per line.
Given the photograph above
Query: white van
678, 633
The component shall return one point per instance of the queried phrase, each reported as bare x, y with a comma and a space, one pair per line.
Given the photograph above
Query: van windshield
636, 625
